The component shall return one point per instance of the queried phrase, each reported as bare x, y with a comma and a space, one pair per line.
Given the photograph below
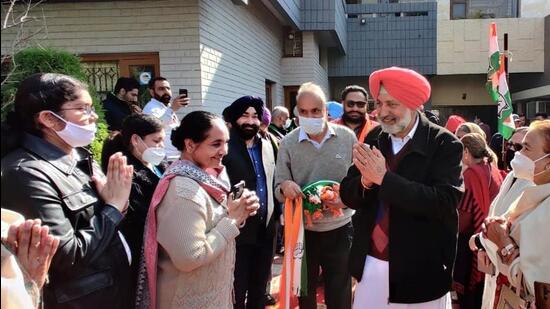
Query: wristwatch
507, 250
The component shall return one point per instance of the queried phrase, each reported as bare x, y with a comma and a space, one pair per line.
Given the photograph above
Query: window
458, 9
293, 44
103, 70
483, 9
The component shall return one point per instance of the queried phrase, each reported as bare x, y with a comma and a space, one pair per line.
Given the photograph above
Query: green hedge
50, 60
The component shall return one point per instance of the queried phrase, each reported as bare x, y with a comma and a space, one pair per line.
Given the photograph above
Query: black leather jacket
90, 268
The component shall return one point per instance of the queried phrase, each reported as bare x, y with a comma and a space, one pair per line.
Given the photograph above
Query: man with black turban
251, 158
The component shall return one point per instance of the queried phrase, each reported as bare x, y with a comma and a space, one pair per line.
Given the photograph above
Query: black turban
237, 108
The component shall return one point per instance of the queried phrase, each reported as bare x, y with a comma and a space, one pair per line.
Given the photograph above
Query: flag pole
505, 141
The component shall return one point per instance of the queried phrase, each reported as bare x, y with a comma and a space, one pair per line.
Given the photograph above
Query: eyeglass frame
515, 146
88, 110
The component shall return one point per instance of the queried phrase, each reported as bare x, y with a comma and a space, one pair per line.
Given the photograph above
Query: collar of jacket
112, 97
420, 140
50, 153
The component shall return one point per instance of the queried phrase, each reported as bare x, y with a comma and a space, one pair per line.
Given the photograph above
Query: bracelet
507, 250
234, 222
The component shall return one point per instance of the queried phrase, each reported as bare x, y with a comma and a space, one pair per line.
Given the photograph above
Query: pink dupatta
214, 182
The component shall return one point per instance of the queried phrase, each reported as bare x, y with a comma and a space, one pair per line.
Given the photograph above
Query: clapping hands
370, 163
34, 248
115, 188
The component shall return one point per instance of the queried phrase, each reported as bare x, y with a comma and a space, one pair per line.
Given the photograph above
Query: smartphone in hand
183, 93
238, 190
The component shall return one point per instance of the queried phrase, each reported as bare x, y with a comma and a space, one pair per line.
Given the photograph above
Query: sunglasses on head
351, 103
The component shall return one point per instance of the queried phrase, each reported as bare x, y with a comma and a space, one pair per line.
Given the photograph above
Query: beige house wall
462, 45
459, 90
298, 70
240, 47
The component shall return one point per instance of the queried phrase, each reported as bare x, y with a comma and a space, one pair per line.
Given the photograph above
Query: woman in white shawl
514, 242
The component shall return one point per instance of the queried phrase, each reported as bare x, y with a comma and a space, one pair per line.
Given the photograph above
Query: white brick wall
169, 27
240, 47
297, 71
217, 50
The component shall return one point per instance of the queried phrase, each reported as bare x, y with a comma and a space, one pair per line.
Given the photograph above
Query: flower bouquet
315, 194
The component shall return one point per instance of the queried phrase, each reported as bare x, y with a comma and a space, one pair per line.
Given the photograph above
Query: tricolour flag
498, 86
294, 275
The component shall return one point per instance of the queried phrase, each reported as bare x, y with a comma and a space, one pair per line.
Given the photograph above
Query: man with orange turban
405, 184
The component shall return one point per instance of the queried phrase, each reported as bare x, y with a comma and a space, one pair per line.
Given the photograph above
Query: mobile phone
183, 93
238, 190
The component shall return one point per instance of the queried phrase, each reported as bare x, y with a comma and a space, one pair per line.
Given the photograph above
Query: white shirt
169, 120
303, 136
397, 143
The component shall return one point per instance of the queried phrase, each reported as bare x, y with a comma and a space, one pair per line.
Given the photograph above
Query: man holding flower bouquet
311, 162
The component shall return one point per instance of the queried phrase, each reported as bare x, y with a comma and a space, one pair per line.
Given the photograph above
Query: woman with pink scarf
189, 248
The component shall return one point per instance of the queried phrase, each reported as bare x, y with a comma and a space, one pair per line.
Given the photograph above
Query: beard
355, 118
399, 126
165, 98
247, 131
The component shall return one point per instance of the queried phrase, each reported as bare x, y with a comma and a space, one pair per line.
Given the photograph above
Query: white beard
398, 127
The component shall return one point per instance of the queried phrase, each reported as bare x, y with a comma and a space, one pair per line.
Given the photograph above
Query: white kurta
372, 292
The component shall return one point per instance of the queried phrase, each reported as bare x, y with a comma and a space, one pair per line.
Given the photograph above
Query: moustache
249, 127
386, 118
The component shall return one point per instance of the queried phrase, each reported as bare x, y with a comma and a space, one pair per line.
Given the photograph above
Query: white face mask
523, 166
312, 126
288, 123
153, 155
76, 135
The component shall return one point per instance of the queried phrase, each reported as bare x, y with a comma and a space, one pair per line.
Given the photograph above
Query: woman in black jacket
47, 174
141, 140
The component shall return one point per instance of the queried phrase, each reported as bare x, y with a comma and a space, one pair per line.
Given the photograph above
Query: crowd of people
188, 213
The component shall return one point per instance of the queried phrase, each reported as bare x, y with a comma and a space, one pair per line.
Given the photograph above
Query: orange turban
407, 86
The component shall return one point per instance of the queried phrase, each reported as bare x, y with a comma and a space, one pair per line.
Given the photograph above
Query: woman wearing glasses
47, 174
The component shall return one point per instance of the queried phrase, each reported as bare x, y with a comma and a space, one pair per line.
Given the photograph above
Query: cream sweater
196, 249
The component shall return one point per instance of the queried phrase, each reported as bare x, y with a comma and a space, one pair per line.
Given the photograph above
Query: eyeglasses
515, 146
88, 110
351, 103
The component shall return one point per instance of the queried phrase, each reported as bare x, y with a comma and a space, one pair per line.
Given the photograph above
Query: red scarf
484, 180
